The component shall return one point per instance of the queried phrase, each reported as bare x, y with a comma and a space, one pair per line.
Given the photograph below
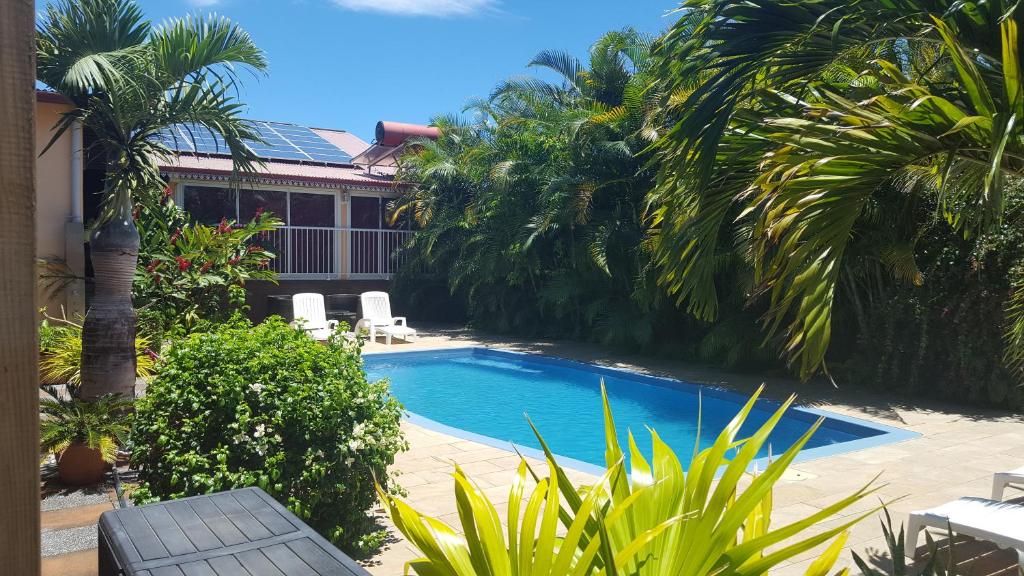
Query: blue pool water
489, 392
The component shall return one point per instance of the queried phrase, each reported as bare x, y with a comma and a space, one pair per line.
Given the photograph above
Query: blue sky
348, 63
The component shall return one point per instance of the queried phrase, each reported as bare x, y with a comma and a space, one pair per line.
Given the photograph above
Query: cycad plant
652, 519
127, 81
101, 424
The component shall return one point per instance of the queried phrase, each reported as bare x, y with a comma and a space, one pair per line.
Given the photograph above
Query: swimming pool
483, 394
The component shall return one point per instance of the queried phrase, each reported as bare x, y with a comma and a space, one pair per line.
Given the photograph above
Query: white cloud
439, 8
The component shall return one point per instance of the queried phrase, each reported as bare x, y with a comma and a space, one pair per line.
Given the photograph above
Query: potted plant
84, 435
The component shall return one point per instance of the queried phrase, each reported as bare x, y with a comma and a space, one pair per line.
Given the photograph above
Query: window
312, 210
306, 247
209, 205
271, 201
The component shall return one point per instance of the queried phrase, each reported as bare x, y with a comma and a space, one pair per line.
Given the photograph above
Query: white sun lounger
1002, 480
309, 314
1001, 523
377, 318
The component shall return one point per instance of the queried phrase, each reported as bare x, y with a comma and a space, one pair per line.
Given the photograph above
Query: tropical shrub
531, 216
100, 424
652, 519
268, 406
189, 273
942, 337
60, 353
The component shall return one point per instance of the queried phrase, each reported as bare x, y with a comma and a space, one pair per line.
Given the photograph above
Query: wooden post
19, 383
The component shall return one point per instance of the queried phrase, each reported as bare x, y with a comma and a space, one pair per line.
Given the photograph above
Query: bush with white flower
268, 406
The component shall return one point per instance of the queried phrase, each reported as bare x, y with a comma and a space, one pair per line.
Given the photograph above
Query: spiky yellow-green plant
653, 520
60, 361
100, 424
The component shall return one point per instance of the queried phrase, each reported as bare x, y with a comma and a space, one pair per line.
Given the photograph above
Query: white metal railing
329, 253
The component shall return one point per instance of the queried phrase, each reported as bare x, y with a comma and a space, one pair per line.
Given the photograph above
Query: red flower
264, 262
152, 355
182, 263
175, 235
168, 191
259, 212
135, 213
153, 264
255, 248
223, 227
206, 266
234, 261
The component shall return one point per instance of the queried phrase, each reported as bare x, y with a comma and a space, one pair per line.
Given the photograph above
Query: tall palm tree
533, 210
127, 81
794, 125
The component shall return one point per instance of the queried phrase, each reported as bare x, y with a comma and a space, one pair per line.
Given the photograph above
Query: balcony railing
306, 252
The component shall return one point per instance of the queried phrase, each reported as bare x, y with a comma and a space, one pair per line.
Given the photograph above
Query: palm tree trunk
19, 354
108, 333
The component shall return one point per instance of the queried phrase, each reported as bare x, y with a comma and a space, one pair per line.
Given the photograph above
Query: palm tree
533, 209
127, 81
793, 126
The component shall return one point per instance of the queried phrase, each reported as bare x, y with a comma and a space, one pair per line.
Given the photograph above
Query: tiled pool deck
955, 455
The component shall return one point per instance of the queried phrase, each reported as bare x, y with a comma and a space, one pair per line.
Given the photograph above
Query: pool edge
888, 434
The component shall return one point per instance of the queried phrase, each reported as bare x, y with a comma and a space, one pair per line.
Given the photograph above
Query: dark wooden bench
242, 532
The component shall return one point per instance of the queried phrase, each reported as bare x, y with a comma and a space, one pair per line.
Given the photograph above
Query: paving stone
82, 563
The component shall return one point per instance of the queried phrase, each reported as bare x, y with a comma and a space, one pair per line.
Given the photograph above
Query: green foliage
943, 337
189, 273
532, 214
803, 135
652, 519
60, 353
268, 406
100, 424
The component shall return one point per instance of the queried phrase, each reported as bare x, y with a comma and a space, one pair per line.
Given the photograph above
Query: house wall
342, 203
58, 239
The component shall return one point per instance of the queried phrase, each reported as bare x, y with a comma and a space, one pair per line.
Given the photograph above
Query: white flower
349, 461
359, 429
260, 431
240, 437
355, 444
256, 387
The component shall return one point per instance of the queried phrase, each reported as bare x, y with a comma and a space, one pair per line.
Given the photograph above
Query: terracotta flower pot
79, 465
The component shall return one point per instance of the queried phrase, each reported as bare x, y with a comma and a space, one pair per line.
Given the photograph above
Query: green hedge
267, 406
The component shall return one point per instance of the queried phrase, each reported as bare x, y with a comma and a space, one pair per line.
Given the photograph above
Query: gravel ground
77, 498
56, 542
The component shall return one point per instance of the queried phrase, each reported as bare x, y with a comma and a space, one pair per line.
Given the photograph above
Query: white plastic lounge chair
309, 314
1002, 480
377, 318
1001, 523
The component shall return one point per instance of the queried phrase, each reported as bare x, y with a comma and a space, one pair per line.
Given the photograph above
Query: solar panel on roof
280, 142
